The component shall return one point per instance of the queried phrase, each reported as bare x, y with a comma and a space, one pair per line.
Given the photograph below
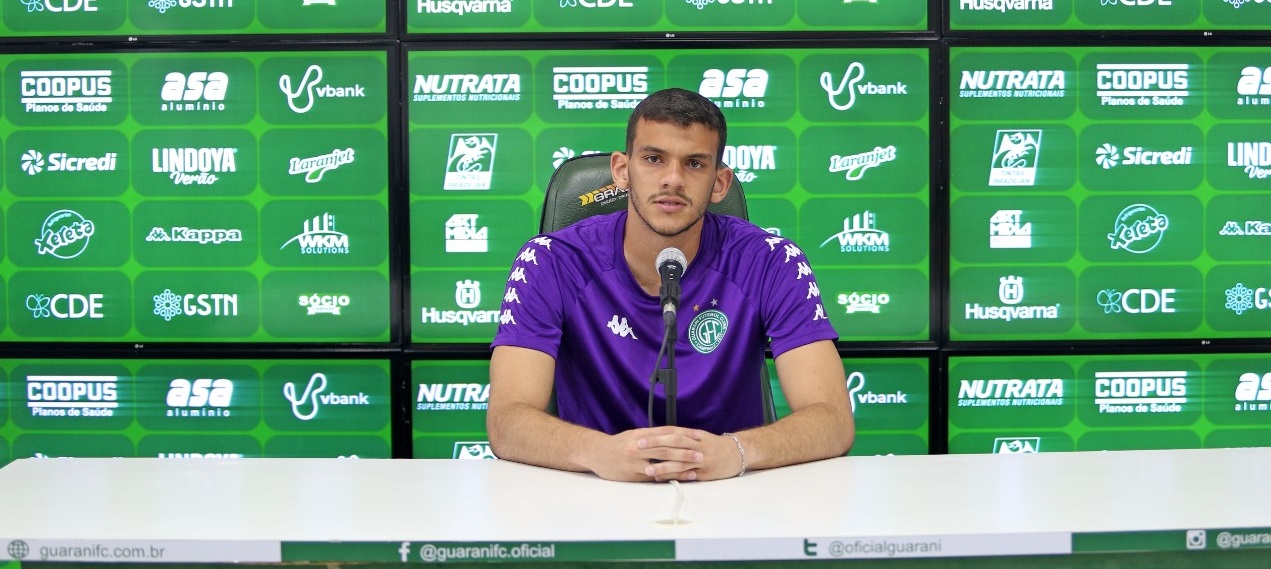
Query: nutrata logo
467, 298
1253, 392
33, 162
581, 88
1251, 227
189, 235
1137, 301
1038, 392
1252, 157
203, 397
864, 301
324, 303
1254, 86
196, 91
861, 235
462, 7
735, 88
464, 236
1010, 292
302, 96
1017, 445
1015, 157
1109, 157
854, 165
1007, 230
72, 395
319, 237
168, 304
64, 306
1138, 229
1013, 83
307, 404
856, 384
64, 234
452, 397
315, 167
193, 166
470, 165
473, 450
162, 6
79, 91
745, 160
462, 88
843, 95
1142, 84
1140, 391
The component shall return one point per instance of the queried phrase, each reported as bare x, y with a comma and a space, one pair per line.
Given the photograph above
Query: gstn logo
164, 5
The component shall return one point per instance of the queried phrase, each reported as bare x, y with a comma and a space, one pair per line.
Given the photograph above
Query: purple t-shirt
572, 296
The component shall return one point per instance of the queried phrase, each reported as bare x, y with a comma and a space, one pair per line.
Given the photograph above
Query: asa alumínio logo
319, 237
706, 331
1254, 85
65, 234
193, 92
301, 95
1013, 83
203, 397
1142, 84
599, 87
861, 235
735, 88
65, 91
1253, 392
470, 162
1007, 230
464, 236
854, 165
872, 302
1138, 229
1015, 157
843, 95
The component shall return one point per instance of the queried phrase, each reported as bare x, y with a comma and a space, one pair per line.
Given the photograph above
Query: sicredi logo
64, 234
1137, 301
72, 395
560, 155
855, 386
1109, 156
467, 298
319, 237
58, 6
1015, 157
1138, 229
1250, 227
324, 303
1254, 86
1140, 391
843, 96
473, 450
463, 7
315, 167
189, 235
1253, 392
76, 91
1142, 84
34, 163
168, 304
582, 88
1017, 445
203, 397
861, 235
64, 306
1007, 230
1037, 392
1013, 83
452, 397
1010, 292
746, 160
872, 302
463, 235
302, 95
1252, 157
461, 88
307, 404
193, 166
470, 165
162, 6
197, 91
735, 88
854, 165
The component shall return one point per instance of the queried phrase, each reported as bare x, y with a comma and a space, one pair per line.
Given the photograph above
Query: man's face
672, 175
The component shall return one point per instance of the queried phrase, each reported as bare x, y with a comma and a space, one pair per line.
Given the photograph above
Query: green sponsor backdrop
195, 196
27, 18
1067, 15
890, 401
1070, 165
1048, 404
832, 147
194, 408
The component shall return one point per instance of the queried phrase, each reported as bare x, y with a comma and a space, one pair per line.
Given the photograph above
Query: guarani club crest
706, 331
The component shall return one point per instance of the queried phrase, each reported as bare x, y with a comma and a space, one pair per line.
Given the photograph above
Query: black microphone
671, 264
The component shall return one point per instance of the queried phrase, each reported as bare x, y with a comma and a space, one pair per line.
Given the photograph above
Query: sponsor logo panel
350, 447
970, 14
351, 233
64, 15
466, 90
1038, 84
323, 88
1142, 85
495, 161
591, 88
1032, 302
746, 86
1142, 439
317, 162
864, 86
195, 397
456, 306
352, 305
49, 164
885, 304
1006, 395
220, 445
1123, 157
322, 15
1237, 298
64, 305
59, 445
874, 160
890, 396
856, 231
326, 397
192, 14
1237, 391
89, 397
762, 159
193, 90
423, 16
1239, 13
48, 90
1012, 157
197, 306
1138, 230
1139, 393
709, 14
1147, 302
1149, 14
1010, 440
195, 234
469, 233
68, 234
212, 163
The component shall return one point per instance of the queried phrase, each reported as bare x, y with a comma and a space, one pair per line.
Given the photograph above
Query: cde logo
736, 88
59, 6
301, 95
202, 397
1138, 229
319, 237
861, 235
195, 91
1137, 301
64, 234
59, 91
596, 3
470, 165
842, 97
65, 306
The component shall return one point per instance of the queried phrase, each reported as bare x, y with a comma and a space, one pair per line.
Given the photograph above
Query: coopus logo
203, 397
78, 91
72, 395
467, 298
64, 234
735, 88
1138, 229
1252, 157
745, 160
1010, 292
496, 87
1013, 83
1137, 301
33, 162
1008, 231
193, 166
854, 165
312, 397
1142, 84
319, 237
1140, 391
302, 97
464, 236
162, 6
581, 88
452, 397
1109, 157
168, 304
861, 235
843, 95
193, 92
470, 165
1015, 156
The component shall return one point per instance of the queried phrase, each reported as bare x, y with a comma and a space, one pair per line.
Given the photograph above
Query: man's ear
723, 180
618, 167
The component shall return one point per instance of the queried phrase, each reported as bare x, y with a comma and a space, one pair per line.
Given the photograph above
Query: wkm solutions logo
319, 237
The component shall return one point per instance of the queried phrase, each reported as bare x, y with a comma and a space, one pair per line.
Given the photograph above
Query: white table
320, 510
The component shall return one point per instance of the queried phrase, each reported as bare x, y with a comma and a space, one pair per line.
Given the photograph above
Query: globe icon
18, 549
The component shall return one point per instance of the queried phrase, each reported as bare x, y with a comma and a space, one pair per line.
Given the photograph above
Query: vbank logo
312, 397
843, 96
302, 97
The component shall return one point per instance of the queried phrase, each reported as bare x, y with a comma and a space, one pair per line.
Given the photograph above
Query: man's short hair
683, 108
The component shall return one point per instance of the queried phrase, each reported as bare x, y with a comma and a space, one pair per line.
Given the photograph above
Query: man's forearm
522, 433
817, 431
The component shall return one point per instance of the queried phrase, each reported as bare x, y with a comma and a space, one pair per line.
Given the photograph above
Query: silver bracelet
741, 450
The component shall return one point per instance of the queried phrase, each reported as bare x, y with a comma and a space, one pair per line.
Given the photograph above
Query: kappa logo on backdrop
203, 397
193, 166
312, 397
1138, 229
74, 91
302, 95
861, 235
490, 87
470, 165
168, 304
583, 88
463, 235
1007, 230
855, 165
1013, 83
64, 234
1252, 157
188, 235
33, 162
72, 395
1109, 156
1142, 84
747, 160
1010, 293
198, 91
1015, 157
843, 95
864, 301
1254, 227
856, 384
467, 297
319, 237
735, 88
314, 168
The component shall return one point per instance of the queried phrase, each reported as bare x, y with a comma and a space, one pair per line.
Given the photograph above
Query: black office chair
583, 186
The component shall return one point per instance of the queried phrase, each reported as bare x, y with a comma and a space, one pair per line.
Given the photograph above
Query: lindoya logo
306, 405
64, 234
301, 95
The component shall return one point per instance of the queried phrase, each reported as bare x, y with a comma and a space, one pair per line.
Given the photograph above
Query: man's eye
696, 164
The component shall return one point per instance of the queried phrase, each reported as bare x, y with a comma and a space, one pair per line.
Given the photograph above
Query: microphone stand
666, 375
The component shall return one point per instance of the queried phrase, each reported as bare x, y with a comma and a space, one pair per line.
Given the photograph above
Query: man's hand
680, 454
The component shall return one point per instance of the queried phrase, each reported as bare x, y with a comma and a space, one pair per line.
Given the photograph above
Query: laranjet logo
315, 167
169, 305
842, 96
302, 95
470, 165
319, 237
307, 404
1108, 156
463, 7
464, 236
735, 88
871, 302
183, 234
1253, 392
1010, 292
1007, 230
1254, 227
324, 303
33, 162
464, 88
861, 235
467, 299
72, 395
1138, 229
473, 450
65, 306
1013, 83
1252, 157
1013, 392
582, 88
854, 165
1254, 86
64, 234
1142, 84
1017, 445
78, 91
1015, 157
855, 386
162, 6
1137, 301
747, 160
1140, 391
203, 397
452, 397
193, 166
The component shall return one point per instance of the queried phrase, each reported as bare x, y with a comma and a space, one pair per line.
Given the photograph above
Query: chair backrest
583, 186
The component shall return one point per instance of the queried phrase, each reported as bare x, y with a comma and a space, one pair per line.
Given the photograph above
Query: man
582, 316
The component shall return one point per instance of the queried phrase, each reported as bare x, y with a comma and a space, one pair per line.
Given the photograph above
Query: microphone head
671, 259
